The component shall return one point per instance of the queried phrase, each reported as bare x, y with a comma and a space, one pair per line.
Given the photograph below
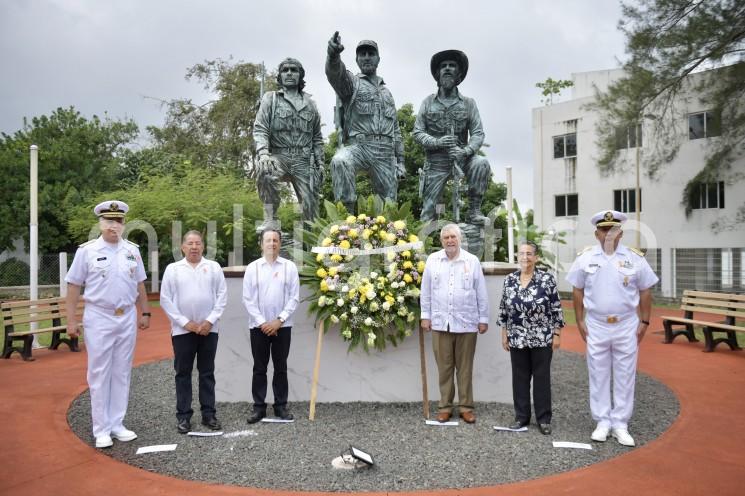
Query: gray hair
454, 228
525, 242
192, 233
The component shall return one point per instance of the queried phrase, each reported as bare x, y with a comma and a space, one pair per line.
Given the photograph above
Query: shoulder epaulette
87, 243
584, 250
133, 244
637, 251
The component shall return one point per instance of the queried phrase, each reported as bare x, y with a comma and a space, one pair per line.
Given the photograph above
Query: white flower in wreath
386, 306
345, 288
334, 319
354, 310
370, 294
400, 299
321, 301
369, 323
343, 316
394, 285
339, 302
403, 312
373, 275
410, 318
347, 334
374, 307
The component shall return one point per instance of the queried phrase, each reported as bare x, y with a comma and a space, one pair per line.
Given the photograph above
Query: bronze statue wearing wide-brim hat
439, 57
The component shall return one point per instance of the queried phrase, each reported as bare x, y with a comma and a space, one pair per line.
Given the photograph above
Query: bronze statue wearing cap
449, 128
289, 143
368, 127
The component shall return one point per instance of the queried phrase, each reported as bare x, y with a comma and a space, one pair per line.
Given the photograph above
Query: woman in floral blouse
531, 318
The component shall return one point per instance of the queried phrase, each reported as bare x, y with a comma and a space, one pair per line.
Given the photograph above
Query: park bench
19, 315
730, 306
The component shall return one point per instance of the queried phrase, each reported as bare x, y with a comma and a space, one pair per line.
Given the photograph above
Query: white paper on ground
276, 420
155, 448
569, 444
204, 434
500, 428
435, 422
241, 433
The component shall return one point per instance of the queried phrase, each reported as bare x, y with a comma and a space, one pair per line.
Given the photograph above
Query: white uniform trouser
110, 343
612, 350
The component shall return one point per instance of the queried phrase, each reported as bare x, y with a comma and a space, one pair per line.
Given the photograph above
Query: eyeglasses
526, 254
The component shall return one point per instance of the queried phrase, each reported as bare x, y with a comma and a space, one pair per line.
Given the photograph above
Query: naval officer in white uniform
112, 272
612, 301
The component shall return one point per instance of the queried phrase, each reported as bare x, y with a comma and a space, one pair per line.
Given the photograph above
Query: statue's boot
475, 216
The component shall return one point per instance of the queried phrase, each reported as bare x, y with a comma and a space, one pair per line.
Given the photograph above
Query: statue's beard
447, 81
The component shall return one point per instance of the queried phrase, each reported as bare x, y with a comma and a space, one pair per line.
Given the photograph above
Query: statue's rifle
457, 180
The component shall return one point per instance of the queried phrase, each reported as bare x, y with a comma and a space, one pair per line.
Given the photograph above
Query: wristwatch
147, 314
645, 322
281, 320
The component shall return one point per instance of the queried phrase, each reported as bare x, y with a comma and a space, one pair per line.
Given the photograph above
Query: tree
219, 132
667, 42
77, 157
552, 87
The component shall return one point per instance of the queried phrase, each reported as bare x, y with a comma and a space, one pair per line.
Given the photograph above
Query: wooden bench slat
714, 296
713, 303
716, 311
703, 323
27, 303
37, 309
37, 331
40, 318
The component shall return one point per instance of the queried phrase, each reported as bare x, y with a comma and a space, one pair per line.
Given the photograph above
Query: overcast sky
121, 57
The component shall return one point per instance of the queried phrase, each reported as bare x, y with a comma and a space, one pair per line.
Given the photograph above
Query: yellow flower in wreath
366, 234
336, 258
334, 229
351, 219
413, 238
408, 278
406, 254
407, 265
399, 224
326, 242
380, 219
345, 244
353, 233
333, 271
420, 266
321, 272
324, 285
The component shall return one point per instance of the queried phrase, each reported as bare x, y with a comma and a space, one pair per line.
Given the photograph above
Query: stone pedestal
388, 376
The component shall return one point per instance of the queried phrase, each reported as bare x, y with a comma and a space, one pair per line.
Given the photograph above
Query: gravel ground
409, 455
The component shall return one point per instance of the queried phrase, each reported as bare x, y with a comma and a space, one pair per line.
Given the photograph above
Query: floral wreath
365, 272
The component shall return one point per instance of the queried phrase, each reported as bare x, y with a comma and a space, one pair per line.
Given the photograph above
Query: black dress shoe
184, 426
212, 423
518, 425
545, 429
256, 416
282, 413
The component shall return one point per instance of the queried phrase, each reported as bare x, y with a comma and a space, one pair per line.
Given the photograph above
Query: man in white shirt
113, 274
454, 305
271, 291
193, 294
612, 300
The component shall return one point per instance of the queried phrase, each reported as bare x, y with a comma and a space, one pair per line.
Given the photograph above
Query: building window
624, 200
566, 205
565, 145
709, 195
626, 136
704, 125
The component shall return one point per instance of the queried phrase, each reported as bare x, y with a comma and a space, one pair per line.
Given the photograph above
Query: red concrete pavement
702, 453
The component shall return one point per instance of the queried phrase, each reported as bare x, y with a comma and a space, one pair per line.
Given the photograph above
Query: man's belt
363, 138
291, 150
611, 319
117, 311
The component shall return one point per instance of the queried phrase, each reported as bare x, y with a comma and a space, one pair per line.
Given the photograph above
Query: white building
686, 252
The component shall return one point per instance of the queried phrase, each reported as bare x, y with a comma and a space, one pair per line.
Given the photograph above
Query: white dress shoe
104, 442
124, 435
600, 433
623, 437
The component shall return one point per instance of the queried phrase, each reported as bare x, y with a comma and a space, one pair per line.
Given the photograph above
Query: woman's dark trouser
262, 346
535, 363
186, 347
